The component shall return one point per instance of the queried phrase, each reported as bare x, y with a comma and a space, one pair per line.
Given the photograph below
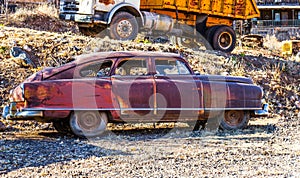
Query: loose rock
2, 127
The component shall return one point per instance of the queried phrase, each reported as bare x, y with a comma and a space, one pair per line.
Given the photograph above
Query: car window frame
121, 59
94, 62
182, 61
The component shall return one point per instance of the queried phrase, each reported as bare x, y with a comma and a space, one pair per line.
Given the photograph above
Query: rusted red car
117, 87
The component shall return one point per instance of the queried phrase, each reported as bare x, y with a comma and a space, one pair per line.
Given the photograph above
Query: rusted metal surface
143, 94
241, 9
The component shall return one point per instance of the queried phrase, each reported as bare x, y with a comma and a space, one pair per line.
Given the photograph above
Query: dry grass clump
41, 10
272, 44
42, 17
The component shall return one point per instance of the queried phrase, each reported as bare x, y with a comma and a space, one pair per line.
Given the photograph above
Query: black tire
88, 123
62, 126
123, 26
224, 39
234, 120
209, 33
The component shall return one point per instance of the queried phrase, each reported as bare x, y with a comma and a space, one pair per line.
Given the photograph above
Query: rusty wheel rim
234, 118
225, 40
88, 121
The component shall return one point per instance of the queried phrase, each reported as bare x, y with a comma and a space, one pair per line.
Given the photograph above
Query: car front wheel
88, 123
234, 120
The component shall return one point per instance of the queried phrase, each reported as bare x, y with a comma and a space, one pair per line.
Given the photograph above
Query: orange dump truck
191, 20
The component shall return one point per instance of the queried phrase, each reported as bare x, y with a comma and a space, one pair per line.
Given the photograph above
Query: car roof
112, 54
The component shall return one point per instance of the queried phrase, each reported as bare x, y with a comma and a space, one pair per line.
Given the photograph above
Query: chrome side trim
136, 109
25, 114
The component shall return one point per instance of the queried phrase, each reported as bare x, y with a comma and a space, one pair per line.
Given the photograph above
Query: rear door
132, 87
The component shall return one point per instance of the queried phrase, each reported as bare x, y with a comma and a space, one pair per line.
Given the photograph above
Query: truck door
132, 87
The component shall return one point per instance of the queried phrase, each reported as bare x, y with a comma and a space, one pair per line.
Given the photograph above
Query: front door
178, 93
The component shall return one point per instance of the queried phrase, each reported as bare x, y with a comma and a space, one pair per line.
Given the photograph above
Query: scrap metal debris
24, 56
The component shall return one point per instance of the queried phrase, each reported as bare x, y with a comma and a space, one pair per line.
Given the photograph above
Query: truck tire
234, 120
209, 33
88, 124
224, 39
123, 26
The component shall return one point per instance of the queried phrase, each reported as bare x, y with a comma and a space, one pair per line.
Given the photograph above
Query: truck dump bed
233, 9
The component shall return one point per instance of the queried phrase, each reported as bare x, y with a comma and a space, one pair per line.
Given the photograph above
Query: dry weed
42, 17
272, 44
42, 10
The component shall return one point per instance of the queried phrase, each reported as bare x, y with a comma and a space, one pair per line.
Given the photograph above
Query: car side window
169, 66
96, 69
132, 66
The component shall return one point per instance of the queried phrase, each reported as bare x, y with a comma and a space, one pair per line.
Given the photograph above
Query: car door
178, 93
132, 88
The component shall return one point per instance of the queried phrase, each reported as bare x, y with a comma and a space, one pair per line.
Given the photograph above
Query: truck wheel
209, 33
224, 39
88, 123
123, 26
234, 120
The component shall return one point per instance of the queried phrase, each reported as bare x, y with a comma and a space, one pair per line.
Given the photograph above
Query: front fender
127, 8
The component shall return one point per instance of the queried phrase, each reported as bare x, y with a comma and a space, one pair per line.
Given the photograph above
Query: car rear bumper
19, 115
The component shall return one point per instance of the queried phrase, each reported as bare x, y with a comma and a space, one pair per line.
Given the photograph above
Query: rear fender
60, 95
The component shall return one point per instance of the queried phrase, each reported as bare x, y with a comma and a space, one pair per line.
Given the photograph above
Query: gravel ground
268, 147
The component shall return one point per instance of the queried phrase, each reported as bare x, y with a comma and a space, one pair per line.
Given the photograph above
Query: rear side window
171, 66
132, 66
96, 69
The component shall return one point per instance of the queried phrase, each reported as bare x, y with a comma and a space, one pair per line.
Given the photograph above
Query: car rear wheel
88, 123
234, 120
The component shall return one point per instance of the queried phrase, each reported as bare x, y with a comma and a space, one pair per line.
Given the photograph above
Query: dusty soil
268, 147
260, 150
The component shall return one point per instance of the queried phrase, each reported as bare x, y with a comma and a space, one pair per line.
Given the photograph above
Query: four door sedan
118, 87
